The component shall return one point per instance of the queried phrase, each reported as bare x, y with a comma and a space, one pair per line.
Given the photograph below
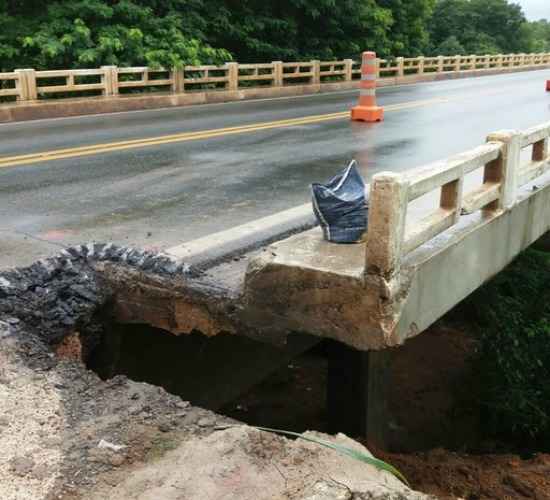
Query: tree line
173, 33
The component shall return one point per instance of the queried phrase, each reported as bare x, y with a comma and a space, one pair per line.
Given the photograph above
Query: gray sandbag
341, 206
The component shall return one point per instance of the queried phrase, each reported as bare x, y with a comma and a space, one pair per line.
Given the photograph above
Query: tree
450, 47
258, 30
480, 26
539, 35
89, 33
80, 33
409, 35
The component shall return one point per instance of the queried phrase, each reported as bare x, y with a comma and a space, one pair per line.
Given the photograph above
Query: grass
344, 450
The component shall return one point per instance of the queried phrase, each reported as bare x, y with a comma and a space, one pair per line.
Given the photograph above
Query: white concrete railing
10, 85
538, 138
390, 237
29, 85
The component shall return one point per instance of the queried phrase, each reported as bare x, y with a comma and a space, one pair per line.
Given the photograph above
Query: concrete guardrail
29, 85
159, 87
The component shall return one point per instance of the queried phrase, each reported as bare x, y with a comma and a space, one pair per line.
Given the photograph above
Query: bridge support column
356, 393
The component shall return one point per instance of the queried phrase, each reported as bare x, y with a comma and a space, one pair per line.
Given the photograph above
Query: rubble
65, 434
64, 292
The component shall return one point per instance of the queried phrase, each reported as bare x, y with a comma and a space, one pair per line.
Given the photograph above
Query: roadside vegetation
512, 367
90, 33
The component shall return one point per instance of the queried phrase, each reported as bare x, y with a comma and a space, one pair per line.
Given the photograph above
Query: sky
535, 9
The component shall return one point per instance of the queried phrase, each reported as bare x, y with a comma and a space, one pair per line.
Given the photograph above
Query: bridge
475, 213
436, 232
491, 205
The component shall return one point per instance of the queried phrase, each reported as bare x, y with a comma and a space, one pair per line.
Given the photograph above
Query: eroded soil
449, 475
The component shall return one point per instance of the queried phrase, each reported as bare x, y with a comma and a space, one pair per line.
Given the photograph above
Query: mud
449, 475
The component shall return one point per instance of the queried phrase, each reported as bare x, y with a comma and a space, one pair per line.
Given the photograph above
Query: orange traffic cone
367, 110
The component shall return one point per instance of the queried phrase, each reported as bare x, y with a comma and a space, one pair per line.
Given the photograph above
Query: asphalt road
158, 178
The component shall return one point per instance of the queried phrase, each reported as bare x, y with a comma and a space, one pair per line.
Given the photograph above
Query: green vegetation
90, 33
513, 367
479, 27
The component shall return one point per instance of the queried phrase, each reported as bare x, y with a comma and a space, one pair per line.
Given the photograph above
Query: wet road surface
168, 191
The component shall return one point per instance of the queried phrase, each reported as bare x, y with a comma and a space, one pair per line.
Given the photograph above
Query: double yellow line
61, 154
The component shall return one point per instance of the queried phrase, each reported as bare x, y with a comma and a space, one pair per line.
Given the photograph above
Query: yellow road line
59, 154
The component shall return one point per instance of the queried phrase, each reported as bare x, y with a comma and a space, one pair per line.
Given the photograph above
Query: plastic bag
341, 206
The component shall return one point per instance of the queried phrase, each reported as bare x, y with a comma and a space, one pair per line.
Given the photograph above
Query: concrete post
277, 73
440, 64
27, 84
110, 80
473, 61
348, 68
316, 69
177, 77
357, 388
387, 213
500, 62
505, 169
487, 61
233, 76
522, 60
458, 61
400, 66
421, 63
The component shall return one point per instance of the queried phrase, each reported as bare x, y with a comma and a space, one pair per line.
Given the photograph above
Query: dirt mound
65, 434
242, 463
449, 475
63, 430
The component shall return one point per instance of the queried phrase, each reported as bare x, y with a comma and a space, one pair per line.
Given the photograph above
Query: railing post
400, 66
177, 79
440, 64
110, 80
505, 169
500, 61
487, 61
473, 61
458, 61
316, 69
348, 67
277, 73
386, 229
421, 63
232, 76
27, 84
